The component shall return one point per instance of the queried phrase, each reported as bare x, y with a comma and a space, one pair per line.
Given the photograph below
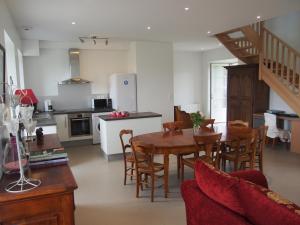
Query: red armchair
241, 198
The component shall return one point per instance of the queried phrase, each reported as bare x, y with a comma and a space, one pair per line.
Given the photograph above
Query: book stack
46, 158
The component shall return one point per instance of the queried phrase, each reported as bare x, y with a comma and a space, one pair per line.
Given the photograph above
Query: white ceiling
128, 19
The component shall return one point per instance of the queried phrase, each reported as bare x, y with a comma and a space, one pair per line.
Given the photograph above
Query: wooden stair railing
279, 63
243, 42
279, 67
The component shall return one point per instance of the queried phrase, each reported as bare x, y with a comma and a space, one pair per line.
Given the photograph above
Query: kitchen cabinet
62, 126
246, 94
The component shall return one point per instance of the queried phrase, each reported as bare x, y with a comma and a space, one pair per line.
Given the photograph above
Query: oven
80, 124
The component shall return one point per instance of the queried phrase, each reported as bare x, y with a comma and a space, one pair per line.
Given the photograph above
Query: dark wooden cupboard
246, 94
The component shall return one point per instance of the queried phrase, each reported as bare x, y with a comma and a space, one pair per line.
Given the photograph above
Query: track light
93, 39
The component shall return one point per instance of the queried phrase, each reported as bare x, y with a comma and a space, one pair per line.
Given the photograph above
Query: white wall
43, 72
287, 28
6, 23
154, 67
187, 78
98, 65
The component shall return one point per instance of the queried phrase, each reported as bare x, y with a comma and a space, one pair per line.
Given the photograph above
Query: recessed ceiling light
258, 17
73, 23
186, 8
220, 44
208, 32
27, 28
148, 28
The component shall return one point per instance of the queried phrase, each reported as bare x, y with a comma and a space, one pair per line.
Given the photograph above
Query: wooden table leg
166, 174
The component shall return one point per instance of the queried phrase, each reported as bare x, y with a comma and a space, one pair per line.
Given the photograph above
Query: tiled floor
103, 199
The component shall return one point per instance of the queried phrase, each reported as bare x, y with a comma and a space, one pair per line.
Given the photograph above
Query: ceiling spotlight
148, 28
186, 8
106, 42
208, 32
258, 17
73, 23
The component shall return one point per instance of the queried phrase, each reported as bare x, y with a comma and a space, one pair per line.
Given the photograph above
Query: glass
10, 157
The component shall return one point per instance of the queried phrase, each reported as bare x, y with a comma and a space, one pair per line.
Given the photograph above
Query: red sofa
241, 198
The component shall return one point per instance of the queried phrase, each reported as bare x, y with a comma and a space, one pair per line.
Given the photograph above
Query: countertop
139, 115
86, 110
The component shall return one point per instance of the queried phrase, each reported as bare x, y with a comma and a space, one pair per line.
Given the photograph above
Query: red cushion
264, 207
219, 186
200, 209
253, 176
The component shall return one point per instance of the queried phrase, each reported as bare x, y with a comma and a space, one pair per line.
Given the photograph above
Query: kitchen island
140, 123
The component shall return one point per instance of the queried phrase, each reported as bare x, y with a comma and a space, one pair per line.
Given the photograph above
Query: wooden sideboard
52, 203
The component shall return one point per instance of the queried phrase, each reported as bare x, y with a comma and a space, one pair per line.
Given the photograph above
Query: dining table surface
177, 142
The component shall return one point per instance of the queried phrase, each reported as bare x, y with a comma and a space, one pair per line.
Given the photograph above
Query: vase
10, 158
196, 129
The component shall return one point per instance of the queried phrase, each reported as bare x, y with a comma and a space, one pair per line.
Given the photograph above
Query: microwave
101, 103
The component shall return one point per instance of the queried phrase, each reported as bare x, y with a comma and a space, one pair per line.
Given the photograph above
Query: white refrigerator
122, 91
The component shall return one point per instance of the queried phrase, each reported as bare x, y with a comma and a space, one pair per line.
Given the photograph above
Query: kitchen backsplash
71, 97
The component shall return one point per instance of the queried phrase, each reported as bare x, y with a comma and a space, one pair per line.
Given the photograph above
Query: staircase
279, 63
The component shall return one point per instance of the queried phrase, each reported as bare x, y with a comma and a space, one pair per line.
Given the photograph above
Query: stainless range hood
74, 69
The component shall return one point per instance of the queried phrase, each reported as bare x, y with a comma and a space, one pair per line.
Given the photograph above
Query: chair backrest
210, 144
208, 123
242, 139
124, 144
173, 126
147, 150
238, 123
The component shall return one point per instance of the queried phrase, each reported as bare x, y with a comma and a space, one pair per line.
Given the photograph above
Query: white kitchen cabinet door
62, 127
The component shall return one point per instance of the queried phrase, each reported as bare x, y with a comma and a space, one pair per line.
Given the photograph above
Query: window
10, 60
21, 70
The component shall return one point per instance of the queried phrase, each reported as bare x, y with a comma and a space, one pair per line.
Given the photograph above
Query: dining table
176, 142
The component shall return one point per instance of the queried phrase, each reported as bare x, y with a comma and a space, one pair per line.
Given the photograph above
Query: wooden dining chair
241, 148
238, 123
261, 142
173, 127
128, 156
148, 167
210, 145
208, 124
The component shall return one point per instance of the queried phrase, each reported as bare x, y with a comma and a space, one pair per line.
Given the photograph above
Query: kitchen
74, 102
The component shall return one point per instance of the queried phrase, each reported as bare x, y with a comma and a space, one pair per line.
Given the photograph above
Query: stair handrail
281, 59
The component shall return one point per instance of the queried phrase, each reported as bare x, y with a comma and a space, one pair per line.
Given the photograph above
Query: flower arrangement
197, 119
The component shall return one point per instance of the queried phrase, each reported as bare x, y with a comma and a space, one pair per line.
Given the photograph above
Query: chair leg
236, 164
125, 173
274, 142
152, 187
178, 165
260, 158
131, 172
224, 164
182, 170
137, 184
